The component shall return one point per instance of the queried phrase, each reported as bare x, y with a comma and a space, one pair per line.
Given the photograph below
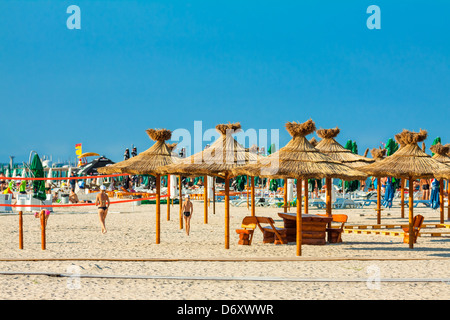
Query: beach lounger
248, 226
417, 225
427, 203
238, 202
318, 203
366, 202
342, 203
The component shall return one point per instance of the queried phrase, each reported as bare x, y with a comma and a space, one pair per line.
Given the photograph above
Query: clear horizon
165, 64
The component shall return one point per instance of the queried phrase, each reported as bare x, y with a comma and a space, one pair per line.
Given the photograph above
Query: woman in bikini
102, 201
188, 209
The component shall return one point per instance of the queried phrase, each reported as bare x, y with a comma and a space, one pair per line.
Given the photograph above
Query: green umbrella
354, 147
273, 185
38, 172
391, 147
351, 185
272, 149
435, 142
348, 145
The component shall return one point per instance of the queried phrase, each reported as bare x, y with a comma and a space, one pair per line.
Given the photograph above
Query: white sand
74, 233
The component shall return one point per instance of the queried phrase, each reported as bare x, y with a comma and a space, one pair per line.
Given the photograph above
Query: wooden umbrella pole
253, 195
180, 187
299, 217
205, 196
378, 200
448, 199
158, 208
214, 195
441, 200
285, 196
227, 212
328, 201
168, 197
20, 230
411, 214
306, 195
248, 205
42, 218
328, 196
402, 197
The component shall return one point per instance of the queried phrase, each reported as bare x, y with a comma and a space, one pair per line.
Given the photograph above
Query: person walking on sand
188, 209
102, 202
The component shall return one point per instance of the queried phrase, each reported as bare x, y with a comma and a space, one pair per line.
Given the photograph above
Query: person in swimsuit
188, 209
425, 189
102, 201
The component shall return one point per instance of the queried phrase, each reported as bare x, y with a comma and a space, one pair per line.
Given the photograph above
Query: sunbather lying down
73, 198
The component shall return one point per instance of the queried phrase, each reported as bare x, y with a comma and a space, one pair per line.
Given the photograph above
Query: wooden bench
246, 233
417, 225
271, 234
335, 232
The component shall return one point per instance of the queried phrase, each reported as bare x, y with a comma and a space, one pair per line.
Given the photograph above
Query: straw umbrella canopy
335, 150
441, 154
148, 162
409, 162
329, 146
300, 160
217, 160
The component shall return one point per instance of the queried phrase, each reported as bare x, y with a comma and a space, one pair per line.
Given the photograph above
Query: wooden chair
335, 233
417, 225
246, 233
271, 234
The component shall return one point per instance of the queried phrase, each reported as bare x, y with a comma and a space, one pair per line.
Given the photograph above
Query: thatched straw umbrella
148, 162
409, 162
218, 160
440, 154
336, 151
300, 160
378, 154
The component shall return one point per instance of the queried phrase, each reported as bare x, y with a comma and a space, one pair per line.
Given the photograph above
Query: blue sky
165, 64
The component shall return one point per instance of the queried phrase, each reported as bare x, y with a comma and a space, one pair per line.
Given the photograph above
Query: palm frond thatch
299, 160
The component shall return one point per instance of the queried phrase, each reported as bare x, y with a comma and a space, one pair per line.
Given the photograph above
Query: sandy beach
199, 266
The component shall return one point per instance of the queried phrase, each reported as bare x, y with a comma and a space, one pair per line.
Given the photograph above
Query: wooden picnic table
313, 228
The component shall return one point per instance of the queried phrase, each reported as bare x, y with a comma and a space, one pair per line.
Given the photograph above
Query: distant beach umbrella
37, 171
391, 147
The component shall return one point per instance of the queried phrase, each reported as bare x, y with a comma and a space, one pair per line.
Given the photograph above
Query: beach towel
389, 193
434, 197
